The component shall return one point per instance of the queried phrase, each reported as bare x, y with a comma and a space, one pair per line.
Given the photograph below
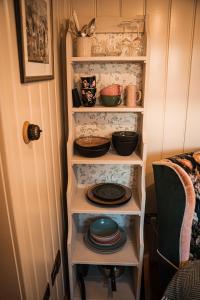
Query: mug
88, 97
111, 90
132, 95
88, 82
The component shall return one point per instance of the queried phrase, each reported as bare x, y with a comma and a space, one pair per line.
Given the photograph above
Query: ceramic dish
125, 135
92, 142
109, 191
105, 249
103, 227
110, 203
92, 146
112, 242
125, 142
107, 238
92, 153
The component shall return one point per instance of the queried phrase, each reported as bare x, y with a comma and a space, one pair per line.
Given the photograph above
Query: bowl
92, 146
103, 227
91, 153
111, 90
125, 142
92, 142
111, 100
124, 135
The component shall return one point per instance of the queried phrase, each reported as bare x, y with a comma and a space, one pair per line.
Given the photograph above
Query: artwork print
37, 31
35, 39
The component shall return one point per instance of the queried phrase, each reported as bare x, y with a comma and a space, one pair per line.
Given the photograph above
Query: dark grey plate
109, 191
120, 201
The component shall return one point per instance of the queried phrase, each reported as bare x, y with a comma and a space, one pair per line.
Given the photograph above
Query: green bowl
103, 227
111, 100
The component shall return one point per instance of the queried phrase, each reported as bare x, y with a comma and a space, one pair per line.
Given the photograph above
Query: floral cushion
190, 162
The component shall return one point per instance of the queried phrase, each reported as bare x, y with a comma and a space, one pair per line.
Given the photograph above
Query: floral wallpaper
92, 174
110, 73
103, 124
117, 44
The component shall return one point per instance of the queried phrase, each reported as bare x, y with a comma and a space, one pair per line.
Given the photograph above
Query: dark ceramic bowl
125, 142
92, 142
124, 135
92, 152
92, 146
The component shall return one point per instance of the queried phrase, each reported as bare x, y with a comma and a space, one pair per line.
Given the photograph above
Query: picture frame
34, 24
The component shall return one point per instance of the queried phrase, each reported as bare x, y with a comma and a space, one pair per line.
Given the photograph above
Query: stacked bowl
92, 146
111, 95
105, 236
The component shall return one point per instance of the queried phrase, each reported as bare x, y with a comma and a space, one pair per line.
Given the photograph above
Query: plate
106, 243
109, 191
105, 238
105, 249
120, 201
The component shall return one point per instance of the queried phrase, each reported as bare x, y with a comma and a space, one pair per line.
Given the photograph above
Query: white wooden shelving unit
81, 211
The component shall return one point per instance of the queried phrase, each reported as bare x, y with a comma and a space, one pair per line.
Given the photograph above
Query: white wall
173, 102
31, 182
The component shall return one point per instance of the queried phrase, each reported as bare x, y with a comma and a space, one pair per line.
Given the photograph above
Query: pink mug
132, 95
111, 90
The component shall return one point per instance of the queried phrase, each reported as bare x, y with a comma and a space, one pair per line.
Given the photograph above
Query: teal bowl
103, 227
111, 100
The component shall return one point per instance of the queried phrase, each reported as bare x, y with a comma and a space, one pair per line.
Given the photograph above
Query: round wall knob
31, 132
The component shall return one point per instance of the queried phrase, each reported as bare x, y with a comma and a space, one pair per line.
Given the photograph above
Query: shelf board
80, 204
108, 59
127, 256
97, 289
99, 108
108, 158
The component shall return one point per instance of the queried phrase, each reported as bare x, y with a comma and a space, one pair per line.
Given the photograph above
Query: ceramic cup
84, 45
111, 90
88, 97
111, 100
132, 95
88, 82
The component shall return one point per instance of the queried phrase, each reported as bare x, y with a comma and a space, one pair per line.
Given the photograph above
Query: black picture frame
34, 25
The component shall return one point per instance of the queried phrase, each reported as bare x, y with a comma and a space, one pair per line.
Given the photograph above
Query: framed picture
35, 39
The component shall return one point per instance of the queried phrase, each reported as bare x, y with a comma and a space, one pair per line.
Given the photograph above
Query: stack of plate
109, 194
105, 236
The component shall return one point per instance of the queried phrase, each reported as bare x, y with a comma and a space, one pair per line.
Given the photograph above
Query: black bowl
125, 144
92, 142
92, 152
124, 135
92, 146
